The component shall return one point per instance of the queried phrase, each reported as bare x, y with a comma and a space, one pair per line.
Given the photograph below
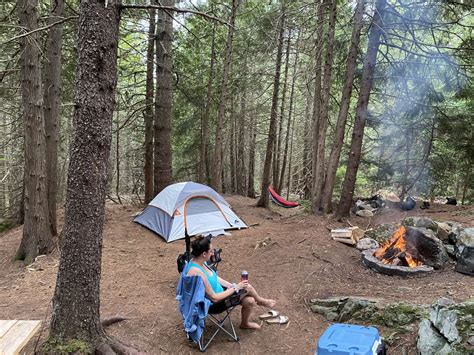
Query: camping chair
195, 309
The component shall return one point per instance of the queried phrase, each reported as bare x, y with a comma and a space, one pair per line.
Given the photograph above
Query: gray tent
187, 204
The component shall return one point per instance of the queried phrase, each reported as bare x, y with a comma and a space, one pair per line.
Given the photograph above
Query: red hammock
280, 201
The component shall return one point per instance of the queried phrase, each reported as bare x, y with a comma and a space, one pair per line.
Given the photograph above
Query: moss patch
55, 346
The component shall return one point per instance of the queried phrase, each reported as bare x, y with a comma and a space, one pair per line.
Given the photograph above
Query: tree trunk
316, 119
343, 109
216, 176
164, 98
149, 112
318, 177
288, 127
37, 237
277, 180
306, 171
76, 302
406, 172
467, 181
252, 147
241, 173
267, 165
52, 91
204, 161
361, 111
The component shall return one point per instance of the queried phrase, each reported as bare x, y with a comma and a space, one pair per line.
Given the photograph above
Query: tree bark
76, 302
164, 98
306, 171
241, 171
149, 111
318, 176
288, 127
204, 161
216, 176
343, 109
52, 91
252, 147
37, 237
267, 165
361, 111
317, 94
277, 181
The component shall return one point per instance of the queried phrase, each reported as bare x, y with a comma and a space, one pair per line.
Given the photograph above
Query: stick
301, 241
254, 224
40, 29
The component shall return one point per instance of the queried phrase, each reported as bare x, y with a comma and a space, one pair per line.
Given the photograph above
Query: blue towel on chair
193, 304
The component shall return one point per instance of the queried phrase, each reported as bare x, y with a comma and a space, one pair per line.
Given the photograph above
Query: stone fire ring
372, 262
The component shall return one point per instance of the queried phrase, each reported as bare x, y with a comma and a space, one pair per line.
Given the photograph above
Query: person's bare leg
247, 306
260, 300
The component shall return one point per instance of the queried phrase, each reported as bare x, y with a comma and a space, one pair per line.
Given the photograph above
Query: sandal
270, 314
278, 320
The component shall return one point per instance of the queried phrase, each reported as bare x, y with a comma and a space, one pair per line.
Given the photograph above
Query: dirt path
301, 262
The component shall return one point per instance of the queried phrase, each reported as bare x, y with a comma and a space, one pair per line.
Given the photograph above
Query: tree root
112, 346
108, 321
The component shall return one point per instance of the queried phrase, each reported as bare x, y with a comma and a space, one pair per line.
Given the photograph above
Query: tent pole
187, 239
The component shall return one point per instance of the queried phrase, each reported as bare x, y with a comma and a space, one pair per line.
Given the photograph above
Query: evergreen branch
172, 8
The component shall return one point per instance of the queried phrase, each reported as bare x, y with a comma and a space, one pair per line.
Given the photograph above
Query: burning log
412, 247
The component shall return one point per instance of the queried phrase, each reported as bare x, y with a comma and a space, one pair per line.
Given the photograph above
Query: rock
450, 249
322, 310
448, 329
456, 230
382, 233
365, 213
444, 230
466, 237
367, 243
350, 307
445, 321
470, 341
329, 302
332, 316
465, 252
420, 222
429, 342
434, 254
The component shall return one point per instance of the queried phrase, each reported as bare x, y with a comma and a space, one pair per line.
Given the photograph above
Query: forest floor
301, 262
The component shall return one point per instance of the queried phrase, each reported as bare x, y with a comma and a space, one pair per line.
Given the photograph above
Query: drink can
244, 275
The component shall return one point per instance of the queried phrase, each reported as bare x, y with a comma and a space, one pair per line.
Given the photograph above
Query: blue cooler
350, 339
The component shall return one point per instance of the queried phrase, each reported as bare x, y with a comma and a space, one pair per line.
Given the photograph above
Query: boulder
420, 222
465, 252
429, 247
430, 342
448, 329
365, 213
382, 233
367, 243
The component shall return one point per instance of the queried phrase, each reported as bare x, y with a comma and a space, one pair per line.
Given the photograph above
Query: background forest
240, 68
324, 100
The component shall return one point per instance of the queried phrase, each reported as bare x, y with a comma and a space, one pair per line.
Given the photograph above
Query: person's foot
250, 325
268, 303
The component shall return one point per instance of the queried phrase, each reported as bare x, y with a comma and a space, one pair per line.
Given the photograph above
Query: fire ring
372, 262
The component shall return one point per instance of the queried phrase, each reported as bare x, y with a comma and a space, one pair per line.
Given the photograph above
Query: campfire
399, 250
410, 251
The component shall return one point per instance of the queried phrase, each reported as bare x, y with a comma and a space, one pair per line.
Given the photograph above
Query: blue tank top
213, 281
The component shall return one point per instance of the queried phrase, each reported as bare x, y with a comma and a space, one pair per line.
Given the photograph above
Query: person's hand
243, 284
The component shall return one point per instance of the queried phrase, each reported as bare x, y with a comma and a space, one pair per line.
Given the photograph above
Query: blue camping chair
195, 309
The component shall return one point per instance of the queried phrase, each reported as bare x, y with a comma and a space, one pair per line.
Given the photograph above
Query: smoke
416, 76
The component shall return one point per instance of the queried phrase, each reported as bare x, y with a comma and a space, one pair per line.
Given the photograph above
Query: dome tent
196, 207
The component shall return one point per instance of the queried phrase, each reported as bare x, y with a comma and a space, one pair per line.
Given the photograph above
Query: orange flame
396, 246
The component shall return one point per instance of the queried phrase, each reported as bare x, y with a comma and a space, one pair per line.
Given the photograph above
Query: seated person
201, 250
